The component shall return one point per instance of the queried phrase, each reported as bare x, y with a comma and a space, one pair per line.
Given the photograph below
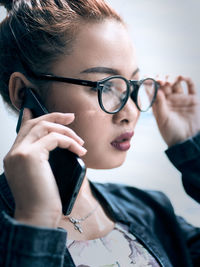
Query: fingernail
83, 151
81, 141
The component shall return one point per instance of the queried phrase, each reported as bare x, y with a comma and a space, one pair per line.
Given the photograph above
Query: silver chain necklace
77, 222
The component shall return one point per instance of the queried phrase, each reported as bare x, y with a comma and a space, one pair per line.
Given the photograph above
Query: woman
120, 225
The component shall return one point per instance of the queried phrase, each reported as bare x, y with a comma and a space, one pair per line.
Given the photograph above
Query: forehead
104, 44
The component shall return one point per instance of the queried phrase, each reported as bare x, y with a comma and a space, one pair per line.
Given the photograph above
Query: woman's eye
93, 89
108, 87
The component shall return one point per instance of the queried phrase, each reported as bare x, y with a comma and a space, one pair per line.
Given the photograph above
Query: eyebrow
107, 71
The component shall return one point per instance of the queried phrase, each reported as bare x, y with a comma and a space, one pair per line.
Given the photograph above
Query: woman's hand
28, 171
177, 113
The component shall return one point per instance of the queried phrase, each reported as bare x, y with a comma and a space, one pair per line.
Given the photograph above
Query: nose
128, 115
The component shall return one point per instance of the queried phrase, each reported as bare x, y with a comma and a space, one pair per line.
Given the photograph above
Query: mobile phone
68, 169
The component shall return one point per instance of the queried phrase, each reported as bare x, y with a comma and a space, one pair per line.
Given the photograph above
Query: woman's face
100, 50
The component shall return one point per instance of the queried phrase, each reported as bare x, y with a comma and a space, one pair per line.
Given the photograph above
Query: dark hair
36, 32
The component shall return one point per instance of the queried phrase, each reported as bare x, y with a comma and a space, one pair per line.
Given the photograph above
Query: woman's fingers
182, 101
56, 117
45, 127
28, 124
191, 87
177, 87
53, 140
165, 87
49, 131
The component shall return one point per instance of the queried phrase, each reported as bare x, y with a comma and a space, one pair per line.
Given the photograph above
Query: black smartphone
68, 169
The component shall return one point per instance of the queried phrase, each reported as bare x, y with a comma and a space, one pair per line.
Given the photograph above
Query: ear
17, 84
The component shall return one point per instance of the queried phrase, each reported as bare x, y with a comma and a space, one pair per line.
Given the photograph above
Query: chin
105, 163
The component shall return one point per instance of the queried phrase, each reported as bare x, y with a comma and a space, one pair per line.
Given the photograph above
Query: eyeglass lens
113, 94
115, 91
146, 94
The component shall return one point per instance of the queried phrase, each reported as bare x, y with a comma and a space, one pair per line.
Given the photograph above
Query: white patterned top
118, 248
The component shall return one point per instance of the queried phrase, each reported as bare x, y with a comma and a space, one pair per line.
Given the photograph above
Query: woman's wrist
50, 220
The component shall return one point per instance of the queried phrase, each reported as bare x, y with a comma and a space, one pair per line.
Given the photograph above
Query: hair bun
7, 4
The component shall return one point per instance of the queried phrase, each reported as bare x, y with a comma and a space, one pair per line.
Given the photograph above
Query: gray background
166, 36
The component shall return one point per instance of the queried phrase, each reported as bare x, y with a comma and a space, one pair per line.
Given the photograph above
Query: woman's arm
30, 246
177, 112
26, 245
186, 158
178, 117
30, 235
28, 173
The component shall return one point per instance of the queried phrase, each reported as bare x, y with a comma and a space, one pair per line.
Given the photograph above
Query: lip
122, 142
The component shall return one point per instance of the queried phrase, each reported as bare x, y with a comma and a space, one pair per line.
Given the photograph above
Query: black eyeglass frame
99, 86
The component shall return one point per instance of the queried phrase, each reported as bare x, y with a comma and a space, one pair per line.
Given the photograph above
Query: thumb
160, 108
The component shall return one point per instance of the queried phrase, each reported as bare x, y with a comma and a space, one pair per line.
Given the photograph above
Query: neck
96, 225
85, 200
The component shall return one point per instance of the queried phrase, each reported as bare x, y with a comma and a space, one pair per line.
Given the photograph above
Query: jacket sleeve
28, 246
186, 158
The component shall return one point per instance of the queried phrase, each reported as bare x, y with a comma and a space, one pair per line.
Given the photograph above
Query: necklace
77, 222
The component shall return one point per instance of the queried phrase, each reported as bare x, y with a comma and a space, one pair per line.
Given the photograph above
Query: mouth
122, 142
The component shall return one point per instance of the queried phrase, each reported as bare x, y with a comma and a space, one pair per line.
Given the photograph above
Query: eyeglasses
114, 91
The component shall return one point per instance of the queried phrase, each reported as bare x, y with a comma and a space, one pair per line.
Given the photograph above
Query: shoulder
130, 193
131, 198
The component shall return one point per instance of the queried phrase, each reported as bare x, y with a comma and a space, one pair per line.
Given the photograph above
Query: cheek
72, 99
89, 117
95, 128
91, 125
81, 102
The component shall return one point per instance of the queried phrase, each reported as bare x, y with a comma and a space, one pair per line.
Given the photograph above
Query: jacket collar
112, 206
119, 214
101, 192
104, 194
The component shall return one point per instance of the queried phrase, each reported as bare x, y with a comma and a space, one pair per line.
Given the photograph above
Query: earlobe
17, 83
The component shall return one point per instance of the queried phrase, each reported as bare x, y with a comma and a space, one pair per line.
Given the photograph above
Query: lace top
118, 248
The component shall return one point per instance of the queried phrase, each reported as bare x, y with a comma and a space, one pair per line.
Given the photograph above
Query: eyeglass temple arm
50, 77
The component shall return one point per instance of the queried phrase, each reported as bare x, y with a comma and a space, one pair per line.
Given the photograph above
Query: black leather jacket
149, 215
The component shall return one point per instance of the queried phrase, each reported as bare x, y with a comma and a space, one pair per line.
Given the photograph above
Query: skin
79, 118
84, 103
